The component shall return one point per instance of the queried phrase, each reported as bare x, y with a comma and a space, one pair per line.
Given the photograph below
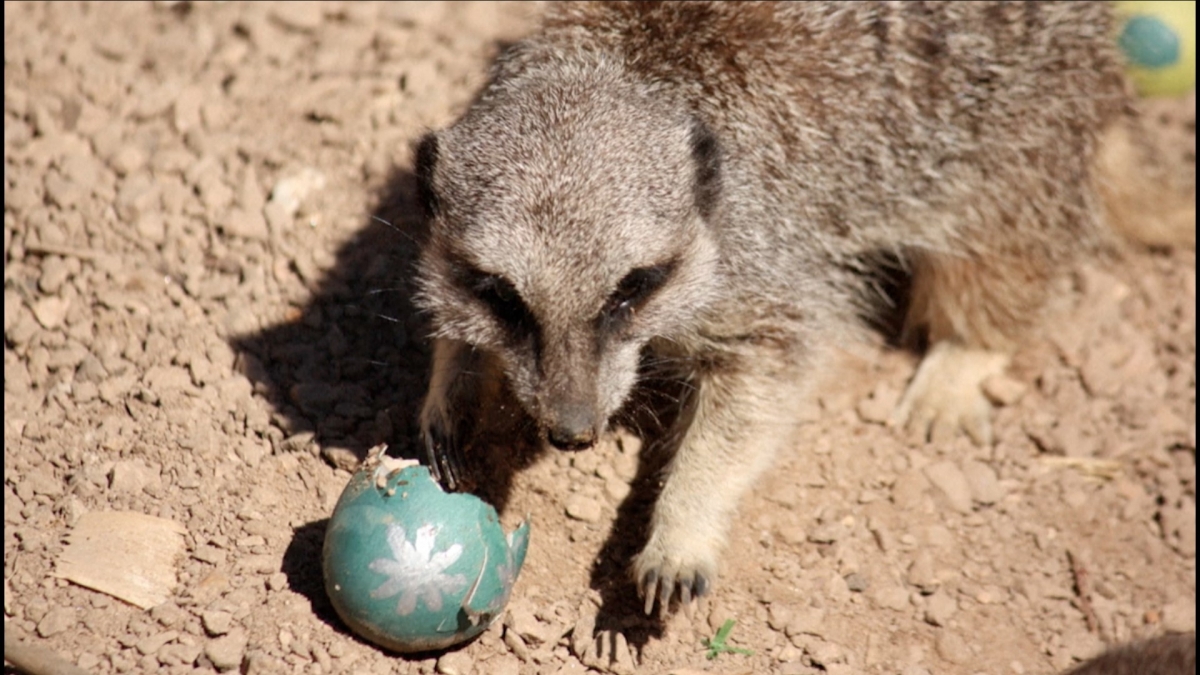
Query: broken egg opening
411, 567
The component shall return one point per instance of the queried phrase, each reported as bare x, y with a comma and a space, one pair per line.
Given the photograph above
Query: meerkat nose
574, 429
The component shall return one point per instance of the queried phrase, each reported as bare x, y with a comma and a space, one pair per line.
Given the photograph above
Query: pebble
56, 621
226, 652
247, 224
981, 479
856, 582
51, 311
455, 663
909, 490
151, 644
951, 481
892, 597
131, 476
521, 620
584, 508
41, 481
825, 654
921, 573
582, 633
303, 16
504, 664
806, 621
1180, 615
291, 192
216, 622
940, 608
953, 648
616, 489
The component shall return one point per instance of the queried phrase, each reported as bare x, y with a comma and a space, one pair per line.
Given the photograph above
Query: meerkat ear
424, 165
706, 152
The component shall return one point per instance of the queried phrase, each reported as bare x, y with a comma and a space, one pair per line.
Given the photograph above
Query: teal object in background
1149, 42
413, 568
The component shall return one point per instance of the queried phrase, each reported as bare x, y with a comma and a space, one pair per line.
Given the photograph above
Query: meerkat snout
574, 427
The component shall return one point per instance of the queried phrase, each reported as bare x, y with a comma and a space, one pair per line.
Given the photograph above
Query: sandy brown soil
203, 322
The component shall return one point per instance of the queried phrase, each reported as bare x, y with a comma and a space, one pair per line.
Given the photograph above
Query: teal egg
411, 567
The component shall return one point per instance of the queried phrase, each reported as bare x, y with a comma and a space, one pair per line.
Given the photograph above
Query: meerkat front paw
676, 562
946, 394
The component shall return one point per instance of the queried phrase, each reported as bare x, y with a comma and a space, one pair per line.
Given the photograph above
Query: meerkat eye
503, 299
636, 287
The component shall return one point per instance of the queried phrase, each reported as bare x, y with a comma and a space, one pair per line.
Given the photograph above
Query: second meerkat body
700, 184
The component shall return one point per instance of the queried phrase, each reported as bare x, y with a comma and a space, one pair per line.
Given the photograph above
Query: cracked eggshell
411, 567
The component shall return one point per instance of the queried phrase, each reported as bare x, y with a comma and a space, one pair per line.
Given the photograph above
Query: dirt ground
205, 322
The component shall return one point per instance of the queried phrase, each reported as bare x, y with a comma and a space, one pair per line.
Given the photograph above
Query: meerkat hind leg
971, 310
946, 394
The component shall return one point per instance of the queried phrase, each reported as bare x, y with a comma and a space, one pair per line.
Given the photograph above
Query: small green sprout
716, 646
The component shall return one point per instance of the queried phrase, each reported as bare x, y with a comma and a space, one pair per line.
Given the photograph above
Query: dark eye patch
502, 299
634, 289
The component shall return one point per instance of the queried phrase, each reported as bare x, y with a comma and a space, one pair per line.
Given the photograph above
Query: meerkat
1173, 654
705, 185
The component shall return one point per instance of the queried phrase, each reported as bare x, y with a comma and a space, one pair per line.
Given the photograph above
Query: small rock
778, 616
247, 224
828, 532
502, 664
616, 489
981, 479
583, 632
152, 643
216, 622
909, 489
226, 652
521, 620
948, 478
921, 574
56, 621
953, 648
131, 476
940, 608
41, 481
304, 16
51, 311
806, 621
584, 508
825, 653
856, 582
291, 192
1177, 617
892, 597
1080, 645
455, 663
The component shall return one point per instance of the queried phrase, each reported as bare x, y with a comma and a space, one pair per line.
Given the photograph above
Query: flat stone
952, 647
216, 622
226, 652
940, 608
584, 508
56, 621
981, 480
950, 480
455, 663
892, 597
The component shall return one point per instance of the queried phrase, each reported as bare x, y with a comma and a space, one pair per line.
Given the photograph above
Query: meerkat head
569, 226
